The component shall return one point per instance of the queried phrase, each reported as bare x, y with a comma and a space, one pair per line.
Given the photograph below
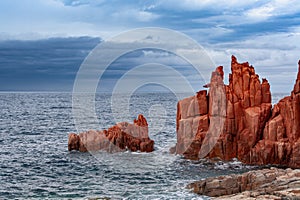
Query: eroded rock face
250, 130
258, 184
120, 137
280, 142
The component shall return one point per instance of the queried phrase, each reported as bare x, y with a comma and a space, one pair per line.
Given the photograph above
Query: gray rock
270, 183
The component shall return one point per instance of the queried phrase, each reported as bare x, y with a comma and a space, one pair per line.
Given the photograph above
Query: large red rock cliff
120, 137
237, 120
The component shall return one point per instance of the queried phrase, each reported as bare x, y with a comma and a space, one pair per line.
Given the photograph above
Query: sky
44, 42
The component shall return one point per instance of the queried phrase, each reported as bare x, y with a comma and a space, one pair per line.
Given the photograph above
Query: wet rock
120, 137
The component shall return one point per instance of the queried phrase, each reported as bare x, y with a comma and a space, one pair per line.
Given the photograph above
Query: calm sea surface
35, 162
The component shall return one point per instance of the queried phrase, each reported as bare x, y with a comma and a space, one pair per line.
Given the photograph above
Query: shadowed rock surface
259, 184
247, 127
120, 137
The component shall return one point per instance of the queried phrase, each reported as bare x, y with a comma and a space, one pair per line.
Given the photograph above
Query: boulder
120, 137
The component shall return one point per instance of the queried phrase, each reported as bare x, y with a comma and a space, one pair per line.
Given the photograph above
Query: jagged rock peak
253, 132
141, 121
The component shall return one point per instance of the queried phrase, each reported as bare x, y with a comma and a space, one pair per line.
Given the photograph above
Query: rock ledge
270, 183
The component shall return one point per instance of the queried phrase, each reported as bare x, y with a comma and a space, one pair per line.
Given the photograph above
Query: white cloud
34, 19
273, 8
261, 13
82, 2
144, 16
155, 54
106, 18
212, 4
135, 14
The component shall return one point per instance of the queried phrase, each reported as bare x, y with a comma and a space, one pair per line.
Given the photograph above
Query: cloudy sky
43, 42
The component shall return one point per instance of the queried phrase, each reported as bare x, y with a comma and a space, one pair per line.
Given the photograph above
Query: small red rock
120, 137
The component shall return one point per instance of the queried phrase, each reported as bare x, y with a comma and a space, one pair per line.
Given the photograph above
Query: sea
35, 162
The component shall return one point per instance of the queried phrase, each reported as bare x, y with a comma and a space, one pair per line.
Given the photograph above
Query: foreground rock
259, 184
237, 121
120, 137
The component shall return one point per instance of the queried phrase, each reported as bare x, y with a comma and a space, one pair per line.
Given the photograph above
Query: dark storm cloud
49, 64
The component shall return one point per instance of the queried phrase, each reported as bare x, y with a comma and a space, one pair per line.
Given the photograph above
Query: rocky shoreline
253, 130
250, 129
273, 183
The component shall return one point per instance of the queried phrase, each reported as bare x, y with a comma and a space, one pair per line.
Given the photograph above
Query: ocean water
36, 164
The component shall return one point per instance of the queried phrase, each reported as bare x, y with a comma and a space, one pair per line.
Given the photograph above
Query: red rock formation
250, 130
120, 137
280, 142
